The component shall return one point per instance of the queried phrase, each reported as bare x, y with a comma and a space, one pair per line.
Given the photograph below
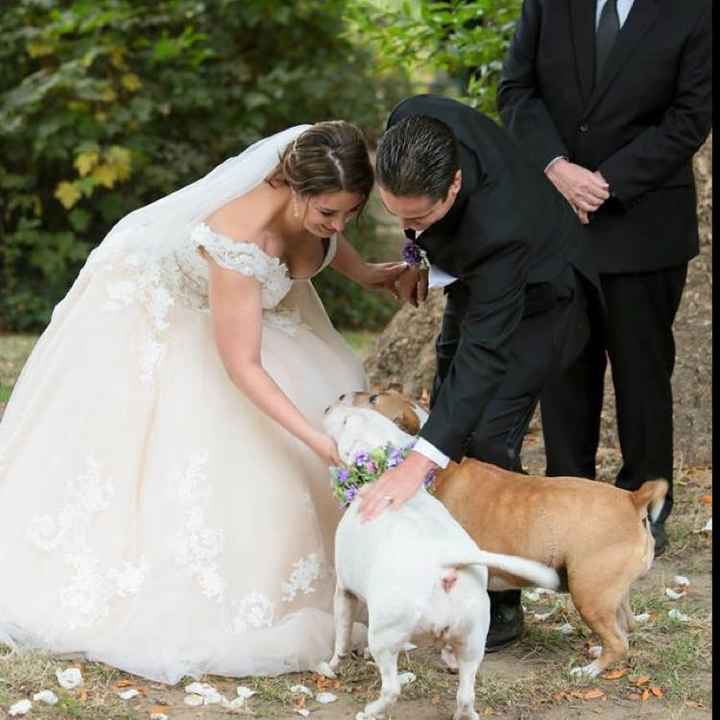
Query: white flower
405, 678
674, 595
325, 697
46, 696
20, 708
245, 692
70, 678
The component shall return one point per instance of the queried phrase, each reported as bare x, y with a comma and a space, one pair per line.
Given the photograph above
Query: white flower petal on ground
406, 678
301, 689
545, 615
325, 670
22, 707
675, 614
69, 679
245, 692
545, 591
566, 629
325, 697
46, 696
158, 716
194, 700
408, 646
681, 581
128, 694
642, 617
531, 595
708, 526
208, 693
237, 704
303, 711
674, 595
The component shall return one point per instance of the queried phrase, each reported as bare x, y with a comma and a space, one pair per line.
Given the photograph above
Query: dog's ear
408, 421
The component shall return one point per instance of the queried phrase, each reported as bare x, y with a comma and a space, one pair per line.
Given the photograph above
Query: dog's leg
344, 611
470, 651
601, 613
386, 661
625, 614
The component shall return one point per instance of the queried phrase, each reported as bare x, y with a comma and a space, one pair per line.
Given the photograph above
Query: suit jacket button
583, 128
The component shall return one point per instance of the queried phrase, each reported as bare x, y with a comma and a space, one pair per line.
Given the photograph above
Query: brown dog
595, 535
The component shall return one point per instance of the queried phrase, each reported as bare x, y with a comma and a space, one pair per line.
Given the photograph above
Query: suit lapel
642, 17
582, 14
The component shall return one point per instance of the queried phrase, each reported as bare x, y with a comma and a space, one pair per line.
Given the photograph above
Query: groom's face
419, 212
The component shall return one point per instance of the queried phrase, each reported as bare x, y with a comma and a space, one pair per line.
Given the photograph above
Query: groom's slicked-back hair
417, 156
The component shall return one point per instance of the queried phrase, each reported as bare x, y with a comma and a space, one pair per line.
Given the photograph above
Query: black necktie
605, 35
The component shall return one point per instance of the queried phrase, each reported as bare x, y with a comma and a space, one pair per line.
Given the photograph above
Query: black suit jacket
639, 124
511, 238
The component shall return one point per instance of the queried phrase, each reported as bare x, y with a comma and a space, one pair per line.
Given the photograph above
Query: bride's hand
382, 276
326, 448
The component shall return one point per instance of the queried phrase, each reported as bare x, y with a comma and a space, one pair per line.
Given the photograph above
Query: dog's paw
325, 670
466, 714
589, 671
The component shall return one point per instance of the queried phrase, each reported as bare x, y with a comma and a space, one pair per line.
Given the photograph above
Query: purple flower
430, 478
411, 253
361, 459
394, 459
343, 475
350, 494
370, 467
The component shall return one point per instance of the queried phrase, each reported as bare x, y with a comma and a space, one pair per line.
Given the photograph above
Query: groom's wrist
430, 453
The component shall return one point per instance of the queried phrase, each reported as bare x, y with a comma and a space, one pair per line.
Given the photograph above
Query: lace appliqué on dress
305, 572
198, 547
254, 611
92, 587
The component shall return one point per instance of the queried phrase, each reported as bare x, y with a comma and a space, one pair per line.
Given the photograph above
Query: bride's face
327, 214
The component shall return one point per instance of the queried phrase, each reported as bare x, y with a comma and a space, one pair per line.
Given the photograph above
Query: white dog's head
356, 430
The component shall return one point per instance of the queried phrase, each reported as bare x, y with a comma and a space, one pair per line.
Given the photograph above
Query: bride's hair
328, 157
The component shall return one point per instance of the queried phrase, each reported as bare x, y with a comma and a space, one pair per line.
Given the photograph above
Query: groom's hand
412, 285
394, 487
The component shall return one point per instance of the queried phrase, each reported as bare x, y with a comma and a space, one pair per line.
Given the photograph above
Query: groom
519, 282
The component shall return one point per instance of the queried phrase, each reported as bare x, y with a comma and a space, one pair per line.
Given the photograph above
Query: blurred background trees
106, 105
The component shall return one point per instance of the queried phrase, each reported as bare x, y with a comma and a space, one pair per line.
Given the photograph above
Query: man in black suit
520, 283
618, 94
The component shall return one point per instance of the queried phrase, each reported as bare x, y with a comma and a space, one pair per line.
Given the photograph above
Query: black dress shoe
658, 532
507, 620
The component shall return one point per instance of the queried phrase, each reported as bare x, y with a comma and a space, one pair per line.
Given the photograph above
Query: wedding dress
151, 517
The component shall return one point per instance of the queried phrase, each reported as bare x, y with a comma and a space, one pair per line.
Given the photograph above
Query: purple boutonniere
413, 254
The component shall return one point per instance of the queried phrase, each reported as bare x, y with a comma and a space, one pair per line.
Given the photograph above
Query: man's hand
412, 285
395, 486
583, 189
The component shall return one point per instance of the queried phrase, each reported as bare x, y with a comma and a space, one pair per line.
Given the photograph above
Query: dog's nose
373, 398
327, 409
342, 397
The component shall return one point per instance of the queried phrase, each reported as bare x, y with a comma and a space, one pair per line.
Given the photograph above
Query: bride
164, 495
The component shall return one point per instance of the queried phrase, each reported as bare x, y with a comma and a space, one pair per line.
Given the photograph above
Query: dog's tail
651, 493
540, 575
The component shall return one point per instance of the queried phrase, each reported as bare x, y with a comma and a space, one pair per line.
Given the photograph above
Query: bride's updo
328, 157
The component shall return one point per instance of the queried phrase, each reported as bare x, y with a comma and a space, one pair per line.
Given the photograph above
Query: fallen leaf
693, 704
159, 709
82, 695
657, 692
707, 499
488, 711
435, 700
614, 674
645, 694
558, 696
593, 694
641, 680
122, 684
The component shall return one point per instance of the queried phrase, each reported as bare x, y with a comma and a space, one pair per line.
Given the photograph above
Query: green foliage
466, 39
106, 105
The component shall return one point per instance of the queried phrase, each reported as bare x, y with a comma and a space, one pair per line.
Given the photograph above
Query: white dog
416, 569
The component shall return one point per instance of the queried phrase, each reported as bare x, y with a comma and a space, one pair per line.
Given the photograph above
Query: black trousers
637, 338
550, 336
